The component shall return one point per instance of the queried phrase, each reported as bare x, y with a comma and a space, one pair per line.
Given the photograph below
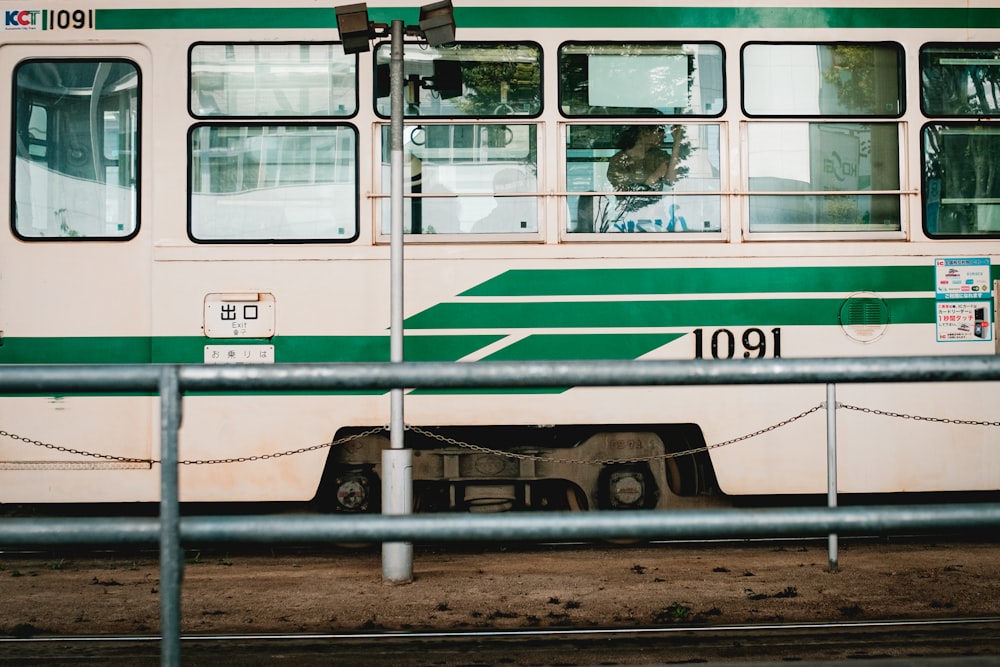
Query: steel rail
532, 633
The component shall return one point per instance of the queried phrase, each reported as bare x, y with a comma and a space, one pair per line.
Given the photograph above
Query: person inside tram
642, 165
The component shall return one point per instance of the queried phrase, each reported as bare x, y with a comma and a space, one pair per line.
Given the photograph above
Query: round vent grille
864, 317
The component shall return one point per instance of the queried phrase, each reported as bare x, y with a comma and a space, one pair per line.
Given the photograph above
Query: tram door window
464, 177
254, 180
635, 169
76, 135
827, 174
961, 193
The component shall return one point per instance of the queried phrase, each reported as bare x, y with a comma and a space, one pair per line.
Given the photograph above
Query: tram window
76, 155
823, 80
960, 195
641, 79
464, 79
286, 80
823, 177
619, 197
960, 79
465, 179
272, 183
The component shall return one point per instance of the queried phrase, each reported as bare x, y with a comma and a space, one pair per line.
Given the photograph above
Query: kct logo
22, 18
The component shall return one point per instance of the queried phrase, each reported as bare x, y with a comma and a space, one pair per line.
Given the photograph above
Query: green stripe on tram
638, 16
191, 349
666, 281
564, 347
632, 314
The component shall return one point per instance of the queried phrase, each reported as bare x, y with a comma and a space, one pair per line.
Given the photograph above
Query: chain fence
453, 442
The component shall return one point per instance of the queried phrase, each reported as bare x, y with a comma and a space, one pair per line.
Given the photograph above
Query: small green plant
675, 613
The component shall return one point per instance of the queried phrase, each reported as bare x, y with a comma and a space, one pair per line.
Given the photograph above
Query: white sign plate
239, 354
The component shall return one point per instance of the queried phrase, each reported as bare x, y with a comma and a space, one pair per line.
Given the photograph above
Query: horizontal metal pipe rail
43, 379
315, 529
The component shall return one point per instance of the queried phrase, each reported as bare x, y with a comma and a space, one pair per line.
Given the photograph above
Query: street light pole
437, 27
397, 461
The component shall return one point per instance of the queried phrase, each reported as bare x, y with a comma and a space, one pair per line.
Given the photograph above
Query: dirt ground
495, 587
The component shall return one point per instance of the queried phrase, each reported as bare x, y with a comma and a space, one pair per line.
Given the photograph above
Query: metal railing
172, 382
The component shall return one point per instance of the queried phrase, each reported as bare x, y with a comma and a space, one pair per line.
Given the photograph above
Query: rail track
959, 641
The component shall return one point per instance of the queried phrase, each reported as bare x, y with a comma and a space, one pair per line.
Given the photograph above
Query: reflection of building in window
511, 214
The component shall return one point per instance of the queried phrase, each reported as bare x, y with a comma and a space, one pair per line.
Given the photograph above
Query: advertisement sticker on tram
963, 286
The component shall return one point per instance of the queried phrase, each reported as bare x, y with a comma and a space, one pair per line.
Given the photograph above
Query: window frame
342, 124
969, 46
834, 235
713, 234
410, 47
561, 102
137, 152
381, 198
218, 117
927, 192
900, 80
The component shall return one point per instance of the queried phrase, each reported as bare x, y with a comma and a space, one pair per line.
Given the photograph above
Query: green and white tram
208, 182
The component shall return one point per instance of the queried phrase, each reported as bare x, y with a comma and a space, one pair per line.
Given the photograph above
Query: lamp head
437, 23
354, 28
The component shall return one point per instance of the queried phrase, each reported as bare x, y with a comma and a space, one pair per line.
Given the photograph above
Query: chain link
639, 459
240, 459
487, 450
919, 418
69, 450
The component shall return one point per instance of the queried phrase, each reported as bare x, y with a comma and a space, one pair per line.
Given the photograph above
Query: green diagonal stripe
582, 346
615, 314
555, 347
549, 282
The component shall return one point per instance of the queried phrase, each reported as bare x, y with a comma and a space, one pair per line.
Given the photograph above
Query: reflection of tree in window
960, 82
866, 79
961, 159
504, 85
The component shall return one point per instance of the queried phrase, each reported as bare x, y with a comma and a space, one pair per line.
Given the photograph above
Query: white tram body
190, 182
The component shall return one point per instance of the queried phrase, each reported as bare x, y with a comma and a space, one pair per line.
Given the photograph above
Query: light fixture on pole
436, 26
437, 23
356, 31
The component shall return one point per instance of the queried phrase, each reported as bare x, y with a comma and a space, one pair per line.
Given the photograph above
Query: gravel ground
496, 587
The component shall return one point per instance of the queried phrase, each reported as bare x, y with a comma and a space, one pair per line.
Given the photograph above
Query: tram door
74, 256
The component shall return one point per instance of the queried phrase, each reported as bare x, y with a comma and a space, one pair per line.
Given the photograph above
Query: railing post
171, 556
831, 464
